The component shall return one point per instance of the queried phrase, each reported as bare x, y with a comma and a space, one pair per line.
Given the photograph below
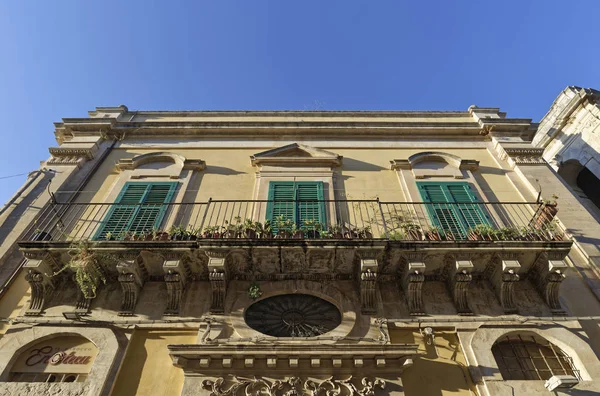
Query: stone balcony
364, 241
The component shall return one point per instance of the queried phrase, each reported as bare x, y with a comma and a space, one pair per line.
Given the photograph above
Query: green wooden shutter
310, 202
461, 214
441, 215
281, 202
140, 208
299, 201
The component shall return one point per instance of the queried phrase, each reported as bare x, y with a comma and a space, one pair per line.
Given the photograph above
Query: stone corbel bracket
459, 279
132, 276
177, 276
40, 269
412, 279
521, 155
217, 277
503, 277
368, 270
547, 274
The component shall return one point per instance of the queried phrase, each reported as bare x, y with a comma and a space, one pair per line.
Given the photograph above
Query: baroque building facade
298, 253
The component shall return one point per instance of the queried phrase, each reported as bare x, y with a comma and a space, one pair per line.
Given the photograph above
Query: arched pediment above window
158, 164
296, 154
435, 164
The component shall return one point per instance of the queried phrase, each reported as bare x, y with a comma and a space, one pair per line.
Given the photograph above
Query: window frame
296, 215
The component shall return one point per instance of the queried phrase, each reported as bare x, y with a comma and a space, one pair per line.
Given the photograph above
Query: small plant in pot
548, 212
233, 230
284, 227
508, 234
553, 232
395, 235
313, 228
297, 233
254, 291
412, 230
211, 232
250, 229
350, 233
264, 231
335, 230
434, 233
481, 232
89, 267
364, 232
177, 233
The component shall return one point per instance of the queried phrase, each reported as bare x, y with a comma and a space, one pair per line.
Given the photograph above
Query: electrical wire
20, 174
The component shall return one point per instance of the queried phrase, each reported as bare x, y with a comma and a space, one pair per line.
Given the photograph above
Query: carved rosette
293, 386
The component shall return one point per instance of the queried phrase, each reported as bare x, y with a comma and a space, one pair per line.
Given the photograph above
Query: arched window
526, 356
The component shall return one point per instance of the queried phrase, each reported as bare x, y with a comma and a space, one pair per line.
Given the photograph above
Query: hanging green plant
88, 266
254, 291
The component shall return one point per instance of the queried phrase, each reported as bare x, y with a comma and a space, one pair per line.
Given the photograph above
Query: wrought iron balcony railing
324, 219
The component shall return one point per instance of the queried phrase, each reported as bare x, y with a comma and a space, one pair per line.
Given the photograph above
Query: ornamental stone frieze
75, 151
293, 386
40, 270
522, 155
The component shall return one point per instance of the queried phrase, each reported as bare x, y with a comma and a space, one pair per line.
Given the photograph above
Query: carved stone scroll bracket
176, 278
458, 283
218, 280
132, 276
368, 285
412, 284
209, 331
505, 274
40, 269
547, 274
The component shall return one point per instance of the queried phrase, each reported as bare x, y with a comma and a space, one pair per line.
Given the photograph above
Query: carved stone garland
293, 386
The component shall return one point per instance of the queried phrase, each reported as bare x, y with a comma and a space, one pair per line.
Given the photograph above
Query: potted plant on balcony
553, 232
89, 267
263, 231
312, 228
395, 235
335, 230
284, 227
177, 233
412, 230
364, 232
233, 230
251, 228
508, 234
481, 232
449, 235
211, 232
434, 233
548, 211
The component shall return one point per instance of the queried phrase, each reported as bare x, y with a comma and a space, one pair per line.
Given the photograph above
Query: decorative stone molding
459, 280
293, 386
179, 161
132, 275
454, 161
547, 274
412, 283
40, 270
503, 277
218, 280
296, 155
522, 156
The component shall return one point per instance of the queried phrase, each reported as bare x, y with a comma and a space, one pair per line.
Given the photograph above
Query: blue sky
63, 58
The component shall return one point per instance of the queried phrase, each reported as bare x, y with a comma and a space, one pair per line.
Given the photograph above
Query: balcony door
140, 207
296, 201
453, 207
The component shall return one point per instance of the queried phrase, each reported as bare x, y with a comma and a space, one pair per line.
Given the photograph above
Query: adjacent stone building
298, 253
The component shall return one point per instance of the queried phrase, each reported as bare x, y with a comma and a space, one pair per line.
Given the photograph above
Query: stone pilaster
176, 278
547, 274
218, 280
40, 269
412, 283
132, 275
458, 282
